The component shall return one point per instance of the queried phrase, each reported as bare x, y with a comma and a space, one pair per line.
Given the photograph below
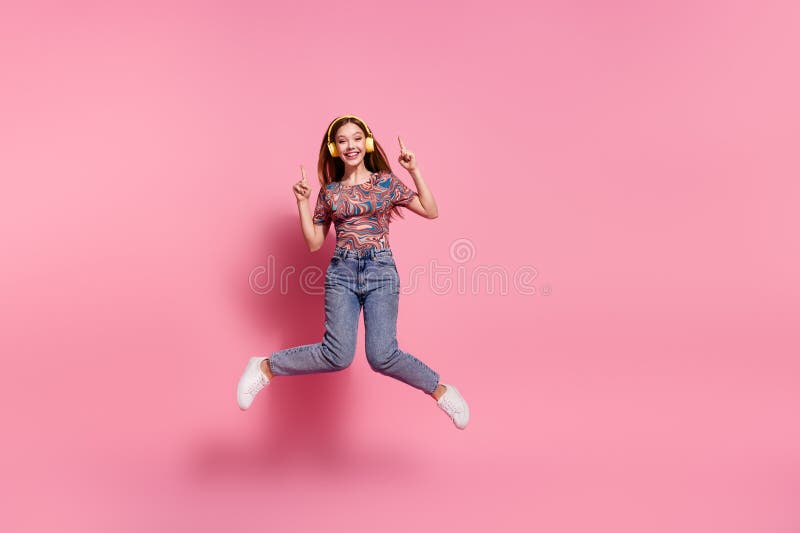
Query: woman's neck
352, 176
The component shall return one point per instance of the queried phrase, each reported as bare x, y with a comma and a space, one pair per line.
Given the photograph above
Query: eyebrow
342, 136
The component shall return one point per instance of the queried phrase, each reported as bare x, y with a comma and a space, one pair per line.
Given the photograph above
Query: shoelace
257, 385
451, 408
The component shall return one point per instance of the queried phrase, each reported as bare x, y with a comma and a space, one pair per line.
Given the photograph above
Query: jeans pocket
335, 260
384, 259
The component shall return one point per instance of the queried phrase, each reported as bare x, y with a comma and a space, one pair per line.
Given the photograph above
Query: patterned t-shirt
360, 212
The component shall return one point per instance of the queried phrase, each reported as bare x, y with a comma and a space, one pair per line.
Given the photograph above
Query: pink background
641, 156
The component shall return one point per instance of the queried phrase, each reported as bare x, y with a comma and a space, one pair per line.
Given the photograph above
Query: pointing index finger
402, 148
303, 172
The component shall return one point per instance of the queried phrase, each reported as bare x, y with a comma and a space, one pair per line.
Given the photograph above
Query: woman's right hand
301, 189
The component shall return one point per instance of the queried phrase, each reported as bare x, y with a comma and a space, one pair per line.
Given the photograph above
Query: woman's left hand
406, 159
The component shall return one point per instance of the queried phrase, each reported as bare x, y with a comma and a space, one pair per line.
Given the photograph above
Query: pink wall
642, 158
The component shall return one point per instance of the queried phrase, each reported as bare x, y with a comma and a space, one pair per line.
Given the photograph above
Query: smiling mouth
351, 155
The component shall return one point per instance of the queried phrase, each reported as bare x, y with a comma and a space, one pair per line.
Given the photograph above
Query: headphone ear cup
370, 144
332, 149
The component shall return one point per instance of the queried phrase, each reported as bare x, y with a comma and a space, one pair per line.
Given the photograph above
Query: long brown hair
331, 169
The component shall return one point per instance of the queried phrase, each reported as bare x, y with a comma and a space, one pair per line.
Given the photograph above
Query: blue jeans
355, 279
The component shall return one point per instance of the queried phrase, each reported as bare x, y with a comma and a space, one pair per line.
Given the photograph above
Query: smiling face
351, 144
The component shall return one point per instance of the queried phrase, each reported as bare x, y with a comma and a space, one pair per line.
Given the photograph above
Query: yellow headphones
369, 142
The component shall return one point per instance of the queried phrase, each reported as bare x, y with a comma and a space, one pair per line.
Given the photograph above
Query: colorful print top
360, 212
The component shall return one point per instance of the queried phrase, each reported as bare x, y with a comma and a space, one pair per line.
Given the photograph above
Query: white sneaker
452, 403
252, 381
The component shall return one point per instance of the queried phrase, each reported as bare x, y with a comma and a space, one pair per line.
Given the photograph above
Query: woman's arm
424, 204
314, 234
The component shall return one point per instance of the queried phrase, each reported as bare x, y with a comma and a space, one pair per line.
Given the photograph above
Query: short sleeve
322, 211
400, 193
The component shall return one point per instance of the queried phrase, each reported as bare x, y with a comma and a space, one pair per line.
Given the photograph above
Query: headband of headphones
369, 133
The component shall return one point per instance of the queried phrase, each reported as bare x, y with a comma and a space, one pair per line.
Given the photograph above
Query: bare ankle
265, 368
438, 391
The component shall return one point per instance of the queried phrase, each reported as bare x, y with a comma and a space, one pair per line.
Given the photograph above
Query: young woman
359, 194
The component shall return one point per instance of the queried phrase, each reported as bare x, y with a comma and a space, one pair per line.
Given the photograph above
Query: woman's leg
380, 323
338, 346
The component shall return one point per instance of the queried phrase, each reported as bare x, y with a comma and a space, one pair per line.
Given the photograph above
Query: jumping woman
360, 194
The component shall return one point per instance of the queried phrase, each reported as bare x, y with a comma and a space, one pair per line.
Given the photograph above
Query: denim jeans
355, 279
